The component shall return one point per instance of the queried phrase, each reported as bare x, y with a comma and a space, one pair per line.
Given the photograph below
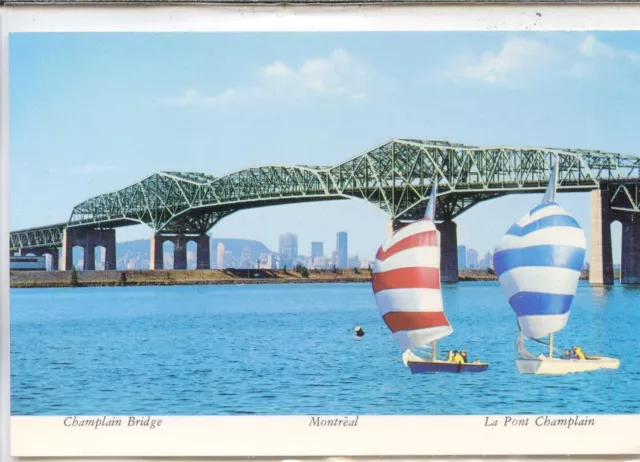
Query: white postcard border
305, 436
5, 397
293, 435
209, 18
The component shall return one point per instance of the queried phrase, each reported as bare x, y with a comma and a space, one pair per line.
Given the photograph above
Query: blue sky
91, 113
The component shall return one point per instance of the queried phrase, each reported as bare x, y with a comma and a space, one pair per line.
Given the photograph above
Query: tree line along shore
298, 275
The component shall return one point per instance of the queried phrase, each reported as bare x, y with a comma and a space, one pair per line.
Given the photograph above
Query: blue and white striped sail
538, 263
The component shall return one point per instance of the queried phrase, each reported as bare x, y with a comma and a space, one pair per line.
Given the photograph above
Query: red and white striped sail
406, 283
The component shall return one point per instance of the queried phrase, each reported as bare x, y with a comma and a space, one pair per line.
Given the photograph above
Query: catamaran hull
558, 366
427, 367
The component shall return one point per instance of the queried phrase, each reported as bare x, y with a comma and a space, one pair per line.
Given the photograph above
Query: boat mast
550, 193
431, 206
550, 196
431, 214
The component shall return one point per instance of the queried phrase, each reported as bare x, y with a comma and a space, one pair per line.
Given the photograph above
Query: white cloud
193, 97
338, 74
593, 48
516, 59
521, 60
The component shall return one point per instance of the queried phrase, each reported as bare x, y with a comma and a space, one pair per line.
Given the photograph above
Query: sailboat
406, 284
538, 263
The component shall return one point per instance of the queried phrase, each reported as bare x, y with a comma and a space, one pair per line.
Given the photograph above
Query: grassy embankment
25, 279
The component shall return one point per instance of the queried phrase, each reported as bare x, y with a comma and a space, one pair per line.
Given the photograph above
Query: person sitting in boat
359, 331
578, 352
463, 353
568, 354
450, 356
457, 358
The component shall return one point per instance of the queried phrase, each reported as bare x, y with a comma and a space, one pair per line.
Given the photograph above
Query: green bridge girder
33, 238
396, 176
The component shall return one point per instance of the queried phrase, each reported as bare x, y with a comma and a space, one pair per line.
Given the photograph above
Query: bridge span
396, 176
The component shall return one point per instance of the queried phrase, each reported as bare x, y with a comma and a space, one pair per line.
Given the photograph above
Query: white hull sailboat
538, 263
406, 283
559, 366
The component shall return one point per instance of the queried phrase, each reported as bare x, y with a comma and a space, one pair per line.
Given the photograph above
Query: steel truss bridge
396, 176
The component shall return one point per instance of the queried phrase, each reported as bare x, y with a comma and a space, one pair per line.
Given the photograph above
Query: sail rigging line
557, 350
520, 348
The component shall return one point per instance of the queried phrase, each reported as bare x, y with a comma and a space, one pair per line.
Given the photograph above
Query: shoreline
227, 282
138, 278
135, 278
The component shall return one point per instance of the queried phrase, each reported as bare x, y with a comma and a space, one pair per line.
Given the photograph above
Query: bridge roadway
396, 176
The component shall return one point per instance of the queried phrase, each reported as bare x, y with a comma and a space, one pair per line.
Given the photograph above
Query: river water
290, 349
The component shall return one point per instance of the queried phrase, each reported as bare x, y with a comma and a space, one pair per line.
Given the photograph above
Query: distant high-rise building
288, 248
220, 256
488, 260
462, 257
317, 250
227, 259
246, 258
342, 249
472, 259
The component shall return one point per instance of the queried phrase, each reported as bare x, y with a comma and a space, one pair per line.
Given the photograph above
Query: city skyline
266, 103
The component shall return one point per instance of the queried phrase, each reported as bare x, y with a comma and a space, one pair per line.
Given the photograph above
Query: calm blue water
290, 349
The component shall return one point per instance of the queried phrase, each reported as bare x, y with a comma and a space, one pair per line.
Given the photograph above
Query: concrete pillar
55, 259
204, 252
110, 253
180, 253
157, 258
448, 251
66, 260
600, 253
89, 239
89, 257
630, 262
105, 238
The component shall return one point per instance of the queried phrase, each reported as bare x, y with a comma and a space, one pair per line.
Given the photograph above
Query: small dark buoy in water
359, 331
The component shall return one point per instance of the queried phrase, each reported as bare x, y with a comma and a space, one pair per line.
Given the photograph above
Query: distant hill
139, 250
236, 246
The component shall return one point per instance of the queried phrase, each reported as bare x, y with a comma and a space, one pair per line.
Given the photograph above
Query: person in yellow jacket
579, 353
450, 356
457, 358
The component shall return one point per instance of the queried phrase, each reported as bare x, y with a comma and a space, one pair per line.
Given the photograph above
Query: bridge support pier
630, 261
89, 258
180, 251
204, 252
600, 253
448, 250
156, 260
88, 239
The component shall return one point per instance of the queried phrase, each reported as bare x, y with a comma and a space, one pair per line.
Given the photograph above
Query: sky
92, 113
